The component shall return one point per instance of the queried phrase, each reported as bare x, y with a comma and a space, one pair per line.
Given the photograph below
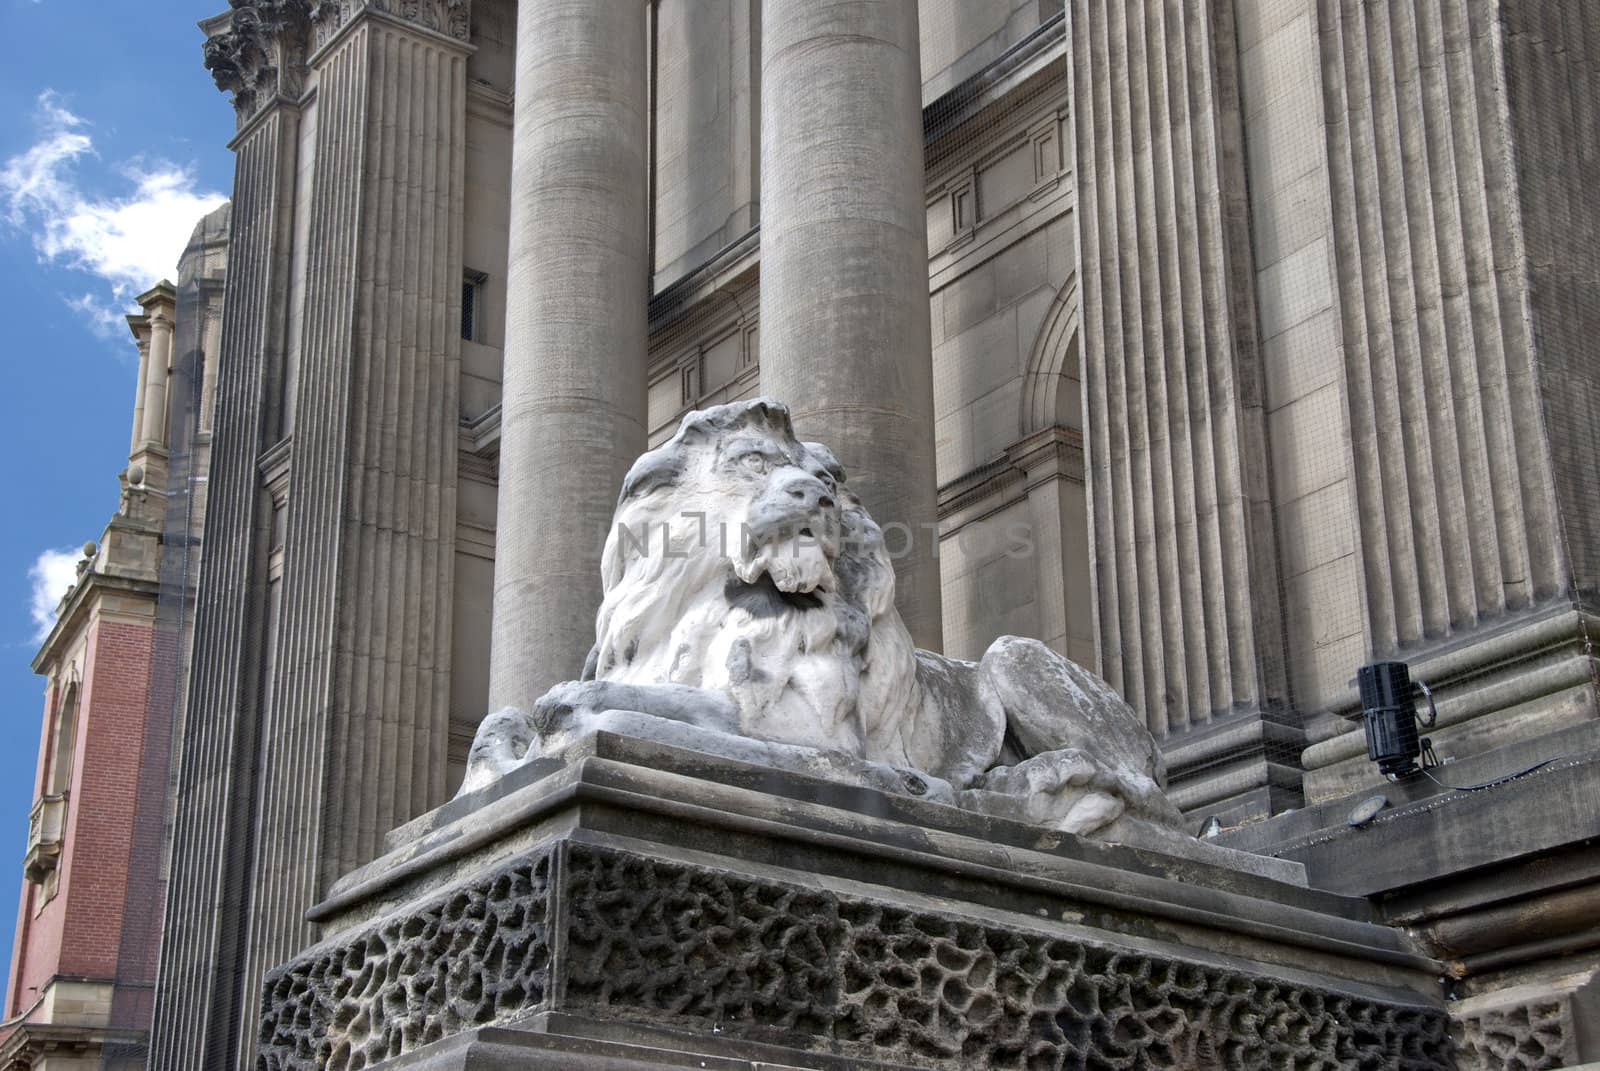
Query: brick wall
104, 791
78, 933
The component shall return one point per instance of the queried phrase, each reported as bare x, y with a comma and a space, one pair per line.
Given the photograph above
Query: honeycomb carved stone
651, 941
465, 958
1523, 1037
607, 934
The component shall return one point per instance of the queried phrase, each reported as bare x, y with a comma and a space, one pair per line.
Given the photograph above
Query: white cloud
53, 572
129, 241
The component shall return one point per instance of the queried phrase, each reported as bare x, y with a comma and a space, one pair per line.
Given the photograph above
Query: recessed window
472, 306
63, 743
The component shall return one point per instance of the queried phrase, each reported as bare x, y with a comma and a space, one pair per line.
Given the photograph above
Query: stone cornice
76, 605
259, 53
481, 435
1053, 453
29, 1041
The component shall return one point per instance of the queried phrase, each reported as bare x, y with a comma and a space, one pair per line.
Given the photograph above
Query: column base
1497, 689
1240, 768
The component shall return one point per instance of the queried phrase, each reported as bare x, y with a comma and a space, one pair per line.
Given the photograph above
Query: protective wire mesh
1262, 348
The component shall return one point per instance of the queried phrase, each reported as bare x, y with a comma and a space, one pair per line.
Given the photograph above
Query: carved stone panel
470, 956
657, 943
704, 950
260, 53
1521, 1037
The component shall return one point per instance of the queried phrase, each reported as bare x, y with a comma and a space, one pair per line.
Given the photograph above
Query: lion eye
754, 462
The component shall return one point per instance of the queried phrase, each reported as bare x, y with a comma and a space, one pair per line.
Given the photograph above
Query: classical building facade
79, 994
391, 381
1224, 345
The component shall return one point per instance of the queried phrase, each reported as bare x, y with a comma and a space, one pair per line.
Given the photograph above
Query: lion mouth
763, 598
796, 564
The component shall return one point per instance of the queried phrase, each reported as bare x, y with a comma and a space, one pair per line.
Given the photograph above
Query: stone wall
323, 629
1003, 309
642, 941
707, 130
1379, 465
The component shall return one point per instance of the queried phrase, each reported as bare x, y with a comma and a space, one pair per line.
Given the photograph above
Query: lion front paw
557, 706
501, 744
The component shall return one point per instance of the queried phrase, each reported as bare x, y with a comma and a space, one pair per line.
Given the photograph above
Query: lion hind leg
1053, 703
1072, 744
961, 730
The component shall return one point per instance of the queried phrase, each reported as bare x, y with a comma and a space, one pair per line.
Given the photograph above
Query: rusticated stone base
800, 927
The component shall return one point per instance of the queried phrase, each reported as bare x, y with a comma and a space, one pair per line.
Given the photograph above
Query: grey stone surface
699, 912
749, 594
708, 114
845, 333
200, 955
674, 769
1429, 833
1392, 465
555, 1042
572, 412
337, 374
1530, 1027
294, 185
1435, 156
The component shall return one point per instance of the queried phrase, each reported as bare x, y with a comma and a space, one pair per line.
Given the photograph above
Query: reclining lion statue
749, 610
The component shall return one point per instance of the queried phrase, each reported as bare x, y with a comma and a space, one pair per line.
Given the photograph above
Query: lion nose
804, 494
805, 491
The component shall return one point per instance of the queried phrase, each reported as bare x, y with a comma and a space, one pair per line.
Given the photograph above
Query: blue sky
112, 143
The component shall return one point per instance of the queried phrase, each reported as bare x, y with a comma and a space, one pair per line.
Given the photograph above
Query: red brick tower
81, 984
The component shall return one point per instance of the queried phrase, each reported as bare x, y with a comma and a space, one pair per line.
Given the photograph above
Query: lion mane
701, 591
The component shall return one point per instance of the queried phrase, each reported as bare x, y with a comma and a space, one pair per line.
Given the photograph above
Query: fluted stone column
208, 375
845, 337
1186, 575
573, 407
360, 674
258, 55
159, 304
140, 326
319, 696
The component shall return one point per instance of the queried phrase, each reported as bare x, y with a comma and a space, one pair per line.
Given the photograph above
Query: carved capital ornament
448, 17
260, 51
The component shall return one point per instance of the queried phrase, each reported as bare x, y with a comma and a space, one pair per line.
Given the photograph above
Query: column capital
450, 18
257, 52
139, 327
159, 303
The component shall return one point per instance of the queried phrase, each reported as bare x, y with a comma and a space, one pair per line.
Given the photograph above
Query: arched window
46, 823
63, 741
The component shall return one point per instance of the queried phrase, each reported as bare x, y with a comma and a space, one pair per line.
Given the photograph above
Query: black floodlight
1390, 713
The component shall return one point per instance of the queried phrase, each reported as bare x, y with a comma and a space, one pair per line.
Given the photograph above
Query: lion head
737, 560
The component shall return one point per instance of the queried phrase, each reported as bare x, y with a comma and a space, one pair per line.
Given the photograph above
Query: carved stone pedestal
635, 905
